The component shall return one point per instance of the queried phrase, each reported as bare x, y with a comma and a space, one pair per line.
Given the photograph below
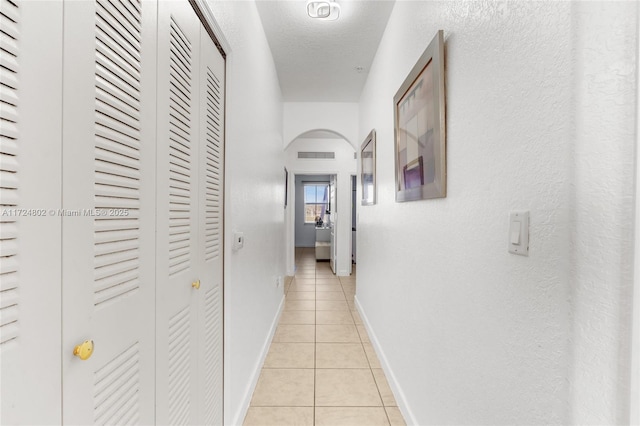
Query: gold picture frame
419, 116
368, 169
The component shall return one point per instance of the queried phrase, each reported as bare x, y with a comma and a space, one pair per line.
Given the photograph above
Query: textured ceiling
317, 60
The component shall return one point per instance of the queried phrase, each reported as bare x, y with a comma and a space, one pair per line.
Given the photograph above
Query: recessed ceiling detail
315, 58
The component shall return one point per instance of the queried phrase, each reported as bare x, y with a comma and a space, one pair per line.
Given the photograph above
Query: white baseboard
391, 378
246, 400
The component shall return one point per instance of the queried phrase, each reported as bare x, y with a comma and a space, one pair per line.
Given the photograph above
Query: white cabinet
323, 243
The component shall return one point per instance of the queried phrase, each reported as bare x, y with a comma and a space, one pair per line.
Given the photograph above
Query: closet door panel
210, 224
109, 211
30, 192
177, 212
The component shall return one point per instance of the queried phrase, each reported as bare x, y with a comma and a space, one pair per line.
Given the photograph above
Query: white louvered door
30, 187
189, 326
111, 206
210, 231
109, 202
177, 214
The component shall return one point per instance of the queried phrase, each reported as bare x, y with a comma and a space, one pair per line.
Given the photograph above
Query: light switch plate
519, 233
238, 240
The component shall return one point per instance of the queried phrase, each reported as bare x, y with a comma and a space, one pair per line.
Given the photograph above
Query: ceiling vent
317, 155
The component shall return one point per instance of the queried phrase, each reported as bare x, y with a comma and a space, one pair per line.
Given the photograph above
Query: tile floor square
341, 355
290, 355
300, 305
284, 388
279, 416
328, 287
332, 305
298, 317
334, 317
295, 287
294, 333
346, 388
338, 333
328, 281
351, 416
301, 295
330, 295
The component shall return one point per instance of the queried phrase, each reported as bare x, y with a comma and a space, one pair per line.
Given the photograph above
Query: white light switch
519, 233
515, 232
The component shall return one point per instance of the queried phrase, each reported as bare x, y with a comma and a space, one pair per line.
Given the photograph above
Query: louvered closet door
177, 212
108, 274
210, 230
30, 187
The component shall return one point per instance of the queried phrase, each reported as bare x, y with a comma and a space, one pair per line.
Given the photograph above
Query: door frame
290, 216
634, 402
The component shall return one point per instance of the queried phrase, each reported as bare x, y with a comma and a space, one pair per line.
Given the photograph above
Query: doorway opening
315, 220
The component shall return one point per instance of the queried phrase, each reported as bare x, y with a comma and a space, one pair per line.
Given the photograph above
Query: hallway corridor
321, 368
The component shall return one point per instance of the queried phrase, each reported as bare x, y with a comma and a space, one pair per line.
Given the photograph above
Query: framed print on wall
286, 186
368, 169
420, 143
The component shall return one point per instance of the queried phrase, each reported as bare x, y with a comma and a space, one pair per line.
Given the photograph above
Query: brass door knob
84, 350
196, 284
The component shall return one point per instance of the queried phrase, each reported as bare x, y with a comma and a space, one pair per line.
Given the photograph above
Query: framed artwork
368, 169
419, 109
286, 186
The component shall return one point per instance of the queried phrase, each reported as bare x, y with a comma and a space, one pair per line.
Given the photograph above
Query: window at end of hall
316, 201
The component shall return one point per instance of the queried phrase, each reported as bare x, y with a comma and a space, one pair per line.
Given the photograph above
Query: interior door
178, 289
108, 264
87, 158
210, 230
30, 194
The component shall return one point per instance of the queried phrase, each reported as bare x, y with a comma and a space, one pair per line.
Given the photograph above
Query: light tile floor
321, 368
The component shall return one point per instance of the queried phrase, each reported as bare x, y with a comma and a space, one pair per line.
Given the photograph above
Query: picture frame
419, 121
368, 169
286, 187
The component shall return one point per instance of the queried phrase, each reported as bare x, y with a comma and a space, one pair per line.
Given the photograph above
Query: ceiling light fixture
322, 9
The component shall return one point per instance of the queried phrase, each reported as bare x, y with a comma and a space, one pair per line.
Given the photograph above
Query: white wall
254, 196
340, 117
343, 166
469, 333
305, 233
602, 210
